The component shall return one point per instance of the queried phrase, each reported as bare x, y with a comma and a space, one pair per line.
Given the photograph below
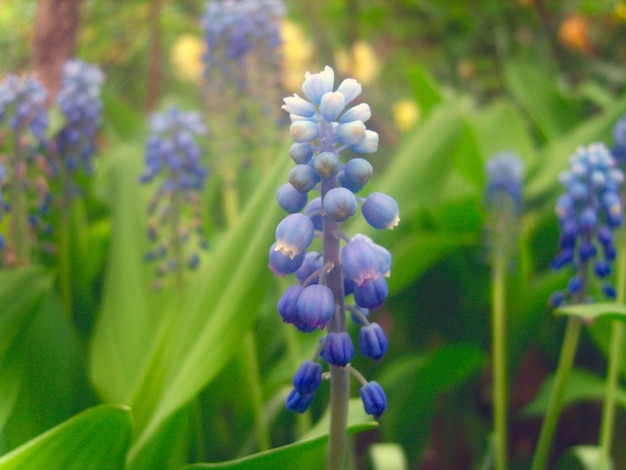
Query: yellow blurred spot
362, 64
186, 56
297, 52
405, 113
574, 33
620, 11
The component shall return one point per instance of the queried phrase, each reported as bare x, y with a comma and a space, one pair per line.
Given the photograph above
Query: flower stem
339, 376
550, 420
499, 358
615, 363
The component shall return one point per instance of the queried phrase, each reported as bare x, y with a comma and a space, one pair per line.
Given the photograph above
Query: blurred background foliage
450, 83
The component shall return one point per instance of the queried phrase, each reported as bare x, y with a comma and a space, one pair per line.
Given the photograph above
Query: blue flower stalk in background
322, 129
24, 190
242, 88
173, 158
503, 201
619, 141
589, 212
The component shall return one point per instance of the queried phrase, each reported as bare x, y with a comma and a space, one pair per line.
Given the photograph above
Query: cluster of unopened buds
322, 128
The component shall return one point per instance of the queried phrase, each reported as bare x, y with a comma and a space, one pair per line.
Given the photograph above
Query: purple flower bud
301, 153
350, 89
332, 105
356, 173
316, 307
381, 211
303, 178
338, 349
339, 204
368, 145
373, 341
314, 211
360, 262
299, 106
294, 234
371, 293
360, 112
312, 263
290, 199
307, 378
298, 402
282, 264
326, 164
374, 399
288, 304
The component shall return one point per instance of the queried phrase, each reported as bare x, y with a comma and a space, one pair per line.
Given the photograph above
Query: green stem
550, 420
615, 364
19, 242
255, 390
499, 358
339, 376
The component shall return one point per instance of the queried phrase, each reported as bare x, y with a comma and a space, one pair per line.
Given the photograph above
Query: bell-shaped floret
288, 304
294, 234
290, 199
338, 349
339, 204
373, 341
381, 211
303, 178
298, 402
308, 377
371, 293
316, 307
374, 399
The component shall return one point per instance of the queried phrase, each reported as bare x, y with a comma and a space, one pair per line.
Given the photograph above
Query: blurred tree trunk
56, 28
154, 58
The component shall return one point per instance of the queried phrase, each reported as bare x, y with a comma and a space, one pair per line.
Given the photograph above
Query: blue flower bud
317, 85
290, 199
339, 204
314, 211
574, 284
371, 293
298, 402
360, 112
332, 105
356, 173
351, 133
338, 349
602, 268
301, 152
282, 264
303, 131
360, 261
316, 307
368, 145
303, 178
381, 211
299, 106
288, 304
326, 164
350, 89
374, 399
373, 341
294, 234
312, 262
609, 291
307, 378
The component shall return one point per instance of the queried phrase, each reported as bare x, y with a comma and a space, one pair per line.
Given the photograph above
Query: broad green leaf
125, 323
307, 453
582, 458
416, 252
96, 439
550, 110
590, 312
424, 88
581, 386
415, 382
387, 456
219, 308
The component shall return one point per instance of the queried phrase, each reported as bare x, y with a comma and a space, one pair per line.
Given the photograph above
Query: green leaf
308, 453
581, 386
550, 110
424, 88
581, 458
591, 312
219, 308
94, 439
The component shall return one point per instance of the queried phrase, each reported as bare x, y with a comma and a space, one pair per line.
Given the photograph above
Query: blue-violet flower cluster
503, 200
24, 189
173, 158
619, 141
323, 126
80, 102
589, 211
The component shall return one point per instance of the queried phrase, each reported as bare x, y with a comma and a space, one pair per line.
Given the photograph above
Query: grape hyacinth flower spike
173, 158
322, 194
24, 189
589, 211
